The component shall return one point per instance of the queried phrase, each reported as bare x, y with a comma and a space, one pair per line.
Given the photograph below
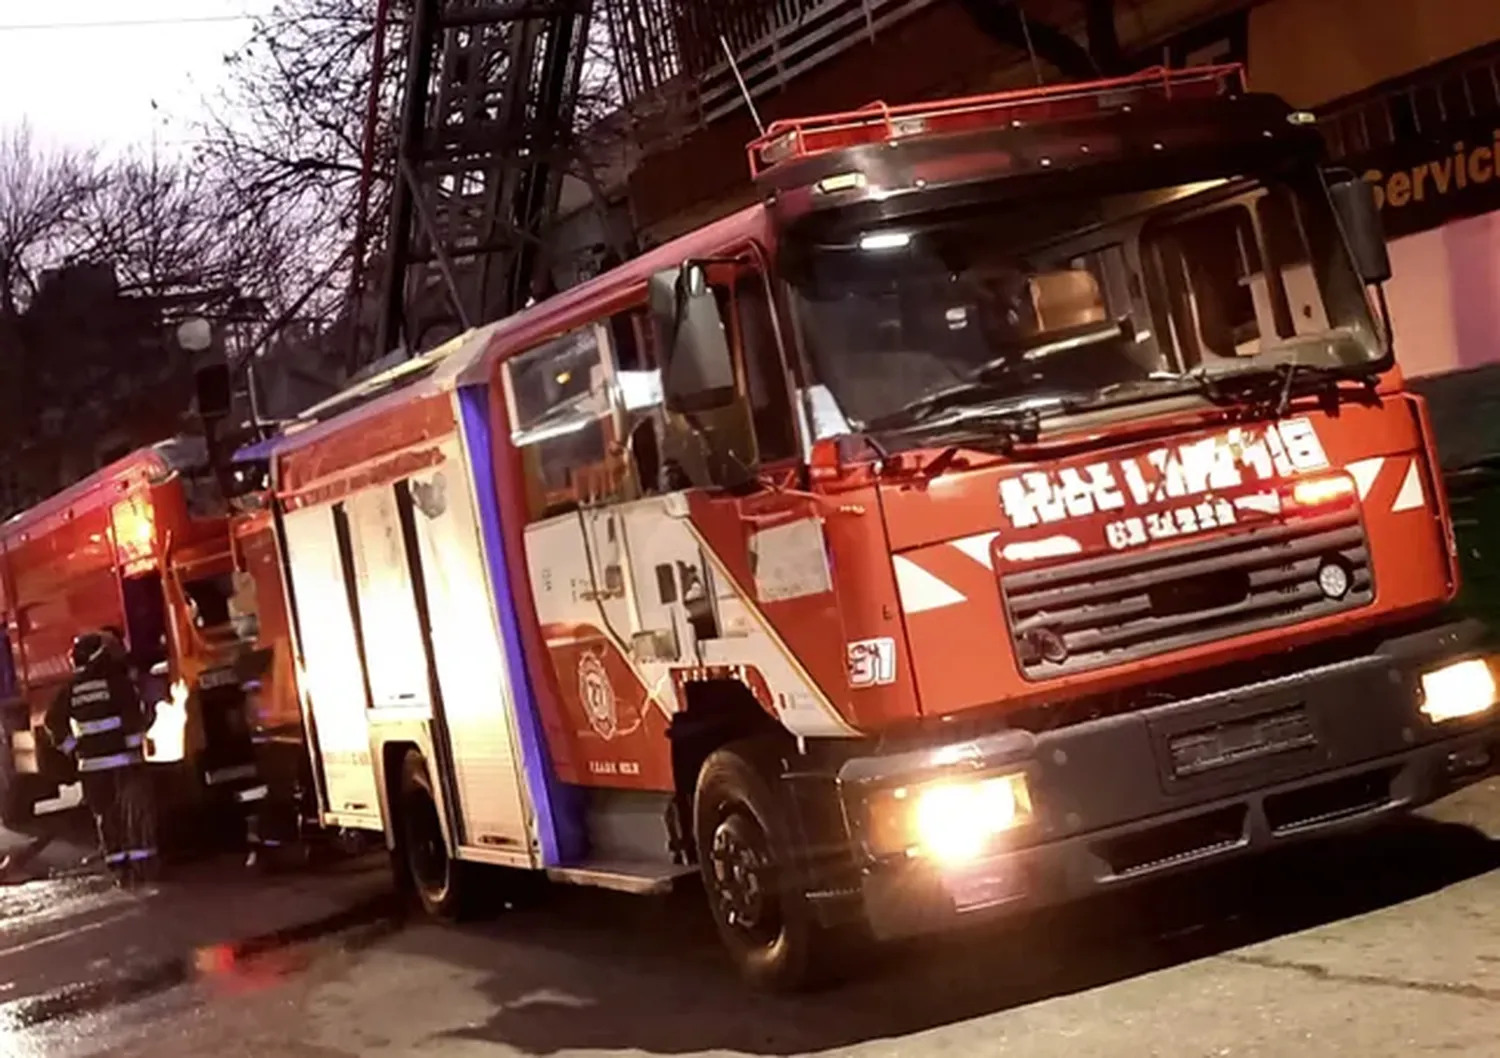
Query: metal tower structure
486, 113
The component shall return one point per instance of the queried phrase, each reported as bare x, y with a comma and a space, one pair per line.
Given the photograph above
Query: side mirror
1354, 202
699, 370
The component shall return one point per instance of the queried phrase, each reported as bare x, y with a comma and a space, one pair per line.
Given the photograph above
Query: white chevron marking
1364, 472
978, 548
920, 591
1411, 495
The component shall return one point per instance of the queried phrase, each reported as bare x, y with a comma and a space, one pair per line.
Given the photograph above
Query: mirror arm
1383, 303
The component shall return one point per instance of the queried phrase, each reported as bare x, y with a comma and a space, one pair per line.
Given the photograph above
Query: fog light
1464, 688
1333, 578
955, 822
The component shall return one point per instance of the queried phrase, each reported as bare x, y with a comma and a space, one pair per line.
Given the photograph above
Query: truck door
780, 552
335, 686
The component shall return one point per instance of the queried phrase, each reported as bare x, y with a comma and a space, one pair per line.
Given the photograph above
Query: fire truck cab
1021, 501
142, 546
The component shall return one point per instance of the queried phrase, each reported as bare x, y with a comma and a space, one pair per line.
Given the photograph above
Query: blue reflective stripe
68, 744
557, 812
141, 854
135, 741
117, 857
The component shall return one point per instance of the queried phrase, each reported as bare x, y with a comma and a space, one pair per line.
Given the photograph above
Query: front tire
444, 886
757, 899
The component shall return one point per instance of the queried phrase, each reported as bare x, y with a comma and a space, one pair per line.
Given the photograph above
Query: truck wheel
442, 884
759, 906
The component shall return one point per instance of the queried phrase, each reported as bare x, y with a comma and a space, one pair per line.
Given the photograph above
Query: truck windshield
1055, 301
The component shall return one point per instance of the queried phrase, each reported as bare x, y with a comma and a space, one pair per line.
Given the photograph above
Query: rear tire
445, 887
757, 899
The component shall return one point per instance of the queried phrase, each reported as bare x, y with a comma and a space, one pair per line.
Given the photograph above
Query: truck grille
1120, 608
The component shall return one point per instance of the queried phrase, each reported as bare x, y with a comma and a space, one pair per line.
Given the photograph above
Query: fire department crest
598, 696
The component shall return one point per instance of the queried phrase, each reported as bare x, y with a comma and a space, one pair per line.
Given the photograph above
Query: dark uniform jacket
98, 718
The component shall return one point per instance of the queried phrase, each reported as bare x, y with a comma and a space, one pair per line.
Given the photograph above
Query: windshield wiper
926, 406
1009, 426
1278, 382
994, 378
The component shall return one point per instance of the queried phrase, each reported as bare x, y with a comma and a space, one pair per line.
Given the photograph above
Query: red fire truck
1021, 501
142, 546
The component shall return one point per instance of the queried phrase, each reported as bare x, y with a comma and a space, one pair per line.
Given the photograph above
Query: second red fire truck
146, 547
1020, 501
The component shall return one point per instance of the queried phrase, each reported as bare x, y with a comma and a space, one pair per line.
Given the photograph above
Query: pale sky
92, 86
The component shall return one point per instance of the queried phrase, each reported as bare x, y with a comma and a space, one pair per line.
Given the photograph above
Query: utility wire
185, 20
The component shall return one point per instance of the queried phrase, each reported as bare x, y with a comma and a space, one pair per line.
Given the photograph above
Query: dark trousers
124, 810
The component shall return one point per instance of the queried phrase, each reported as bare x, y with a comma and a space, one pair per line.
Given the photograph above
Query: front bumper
1120, 800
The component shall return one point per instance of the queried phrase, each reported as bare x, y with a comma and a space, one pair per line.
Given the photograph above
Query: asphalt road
1384, 945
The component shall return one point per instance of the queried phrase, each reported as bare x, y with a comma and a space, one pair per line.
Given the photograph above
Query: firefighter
99, 721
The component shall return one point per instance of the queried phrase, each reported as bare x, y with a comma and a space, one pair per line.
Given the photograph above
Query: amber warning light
1323, 490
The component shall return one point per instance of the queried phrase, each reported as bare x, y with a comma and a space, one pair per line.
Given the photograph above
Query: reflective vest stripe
68, 745
255, 793
135, 741
116, 857
239, 771
140, 854
83, 728
114, 760
91, 685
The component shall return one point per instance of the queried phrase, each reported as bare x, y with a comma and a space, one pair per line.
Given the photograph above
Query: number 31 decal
872, 662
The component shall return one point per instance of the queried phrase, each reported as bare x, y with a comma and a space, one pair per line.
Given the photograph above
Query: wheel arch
718, 713
391, 749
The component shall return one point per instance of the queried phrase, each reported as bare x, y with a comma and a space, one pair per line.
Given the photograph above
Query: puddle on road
234, 968
33, 899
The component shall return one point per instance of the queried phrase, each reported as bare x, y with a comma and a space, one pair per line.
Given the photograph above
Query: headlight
949, 822
1464, 688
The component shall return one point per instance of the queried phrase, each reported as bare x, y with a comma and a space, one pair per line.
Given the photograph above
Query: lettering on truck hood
1154, 494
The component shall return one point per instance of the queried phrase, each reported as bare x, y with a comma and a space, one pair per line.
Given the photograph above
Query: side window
561, 421
632, 337
748, 313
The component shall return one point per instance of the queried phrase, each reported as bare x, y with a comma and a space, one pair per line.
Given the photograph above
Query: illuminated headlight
950, 822
1464, 688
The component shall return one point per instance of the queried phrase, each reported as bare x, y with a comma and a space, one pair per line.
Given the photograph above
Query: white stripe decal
921, 591
1364, 472
978, 548
1032, 550
1411, 495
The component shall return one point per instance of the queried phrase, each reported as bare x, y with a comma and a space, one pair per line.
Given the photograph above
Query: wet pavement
1385, 945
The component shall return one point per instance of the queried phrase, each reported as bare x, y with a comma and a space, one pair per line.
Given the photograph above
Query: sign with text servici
1421, 183
1171, 491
